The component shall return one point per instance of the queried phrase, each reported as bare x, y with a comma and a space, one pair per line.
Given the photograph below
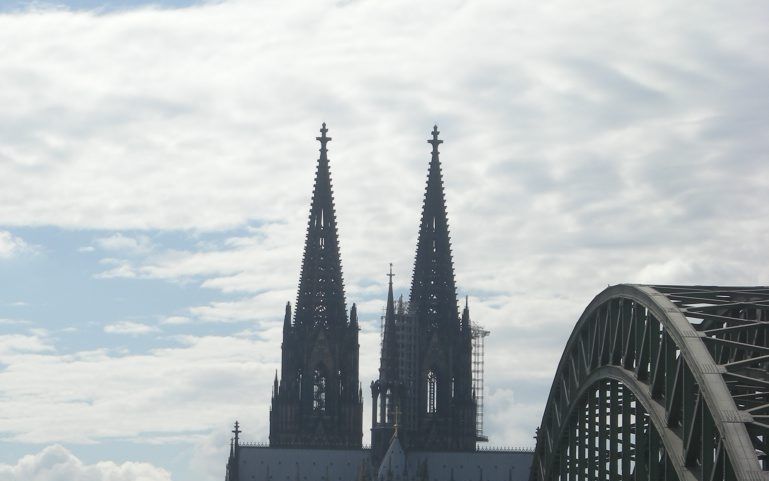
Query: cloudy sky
156, 163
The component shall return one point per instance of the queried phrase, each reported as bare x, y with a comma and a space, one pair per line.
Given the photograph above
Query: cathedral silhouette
423, 413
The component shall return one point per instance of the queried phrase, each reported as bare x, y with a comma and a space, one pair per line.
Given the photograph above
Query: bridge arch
661, 382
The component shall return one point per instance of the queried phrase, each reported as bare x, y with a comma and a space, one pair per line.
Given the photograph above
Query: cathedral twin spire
317, 401
427, 346
433, 292
320, 300
321, 288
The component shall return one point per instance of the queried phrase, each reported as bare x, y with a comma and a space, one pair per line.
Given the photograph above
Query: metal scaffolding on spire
479, 335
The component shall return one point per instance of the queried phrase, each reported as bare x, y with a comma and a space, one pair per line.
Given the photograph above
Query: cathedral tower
432, 391
317, 401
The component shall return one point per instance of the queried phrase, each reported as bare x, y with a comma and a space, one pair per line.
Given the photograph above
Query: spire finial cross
323, 138
435, 141
391, 275
236, 432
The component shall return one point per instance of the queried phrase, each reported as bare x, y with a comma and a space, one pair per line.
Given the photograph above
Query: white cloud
123, 244
12, 246
56, 463
121, 269
130, 327
508, 422
176, 320
613, 143
179, 138
199, 385
10, 322
264, 307
209, 452
11, 344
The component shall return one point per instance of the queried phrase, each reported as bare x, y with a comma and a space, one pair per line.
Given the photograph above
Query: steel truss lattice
661, 383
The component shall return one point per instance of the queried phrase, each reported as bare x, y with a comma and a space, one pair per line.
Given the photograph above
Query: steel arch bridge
661, 383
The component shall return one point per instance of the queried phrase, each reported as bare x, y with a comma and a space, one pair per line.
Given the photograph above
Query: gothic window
389, 406
299, 382
453, 383
319, 390
432, 387
340, 375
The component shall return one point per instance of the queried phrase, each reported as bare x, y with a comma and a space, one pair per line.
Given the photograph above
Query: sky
156, 166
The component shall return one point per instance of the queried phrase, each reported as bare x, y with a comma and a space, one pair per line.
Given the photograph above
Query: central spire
433, 292
320, 301
388, 363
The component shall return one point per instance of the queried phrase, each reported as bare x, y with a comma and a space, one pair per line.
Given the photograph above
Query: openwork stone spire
320, 301
433, 293
317, 401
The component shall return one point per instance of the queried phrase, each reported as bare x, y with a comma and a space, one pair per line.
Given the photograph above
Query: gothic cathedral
424, 407
425, 379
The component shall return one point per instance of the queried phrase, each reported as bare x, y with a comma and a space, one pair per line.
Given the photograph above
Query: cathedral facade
423, 413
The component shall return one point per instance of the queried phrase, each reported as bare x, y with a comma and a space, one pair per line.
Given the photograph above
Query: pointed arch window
389, 406
432, 388
319, 385
299, 382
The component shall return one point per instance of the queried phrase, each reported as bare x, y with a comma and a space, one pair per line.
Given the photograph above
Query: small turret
466, 318
233, 463
275, 385
287, 319
390, 309
354, 317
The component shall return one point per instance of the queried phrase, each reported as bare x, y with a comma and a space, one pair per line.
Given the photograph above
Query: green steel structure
661, 383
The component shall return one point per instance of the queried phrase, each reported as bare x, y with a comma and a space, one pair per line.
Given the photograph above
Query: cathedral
423, 412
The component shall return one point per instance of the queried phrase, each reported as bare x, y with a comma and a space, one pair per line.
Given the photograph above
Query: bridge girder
661, 382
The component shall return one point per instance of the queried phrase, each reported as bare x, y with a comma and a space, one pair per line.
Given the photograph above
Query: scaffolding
479, 334
382, 329
407, 364
406, 336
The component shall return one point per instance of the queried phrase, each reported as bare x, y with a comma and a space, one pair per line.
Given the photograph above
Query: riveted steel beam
661, 382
